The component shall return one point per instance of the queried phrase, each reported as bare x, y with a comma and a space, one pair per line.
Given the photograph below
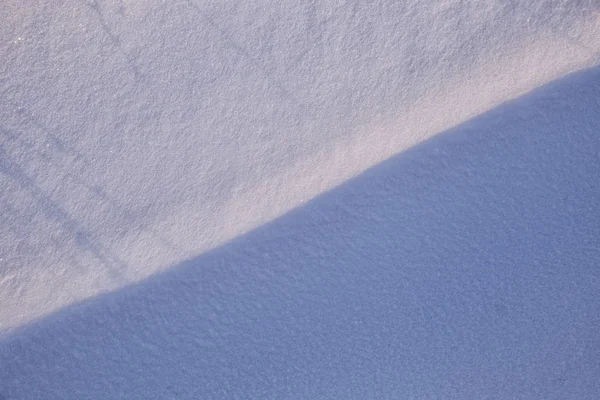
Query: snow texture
300, 200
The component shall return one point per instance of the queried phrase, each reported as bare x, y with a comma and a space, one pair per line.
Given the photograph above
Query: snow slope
463, 268
136, 136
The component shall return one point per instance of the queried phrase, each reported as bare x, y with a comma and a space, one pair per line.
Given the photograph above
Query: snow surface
300, 200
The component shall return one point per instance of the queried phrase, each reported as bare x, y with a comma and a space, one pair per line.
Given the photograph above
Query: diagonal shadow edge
445, 138
478, 180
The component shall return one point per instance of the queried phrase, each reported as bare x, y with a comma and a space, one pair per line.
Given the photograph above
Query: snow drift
177, 137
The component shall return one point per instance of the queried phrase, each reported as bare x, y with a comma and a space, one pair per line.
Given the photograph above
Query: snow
300, 200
